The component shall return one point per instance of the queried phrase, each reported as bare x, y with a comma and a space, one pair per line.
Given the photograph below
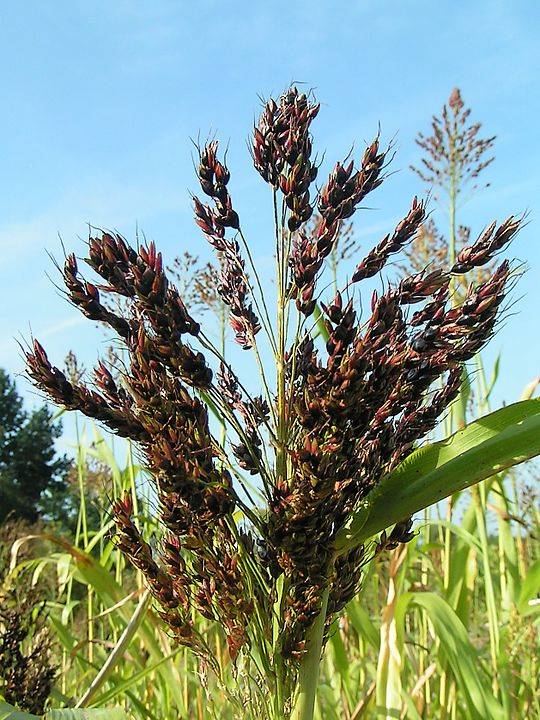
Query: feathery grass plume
454, 157
454, 152
196, 283
330, 422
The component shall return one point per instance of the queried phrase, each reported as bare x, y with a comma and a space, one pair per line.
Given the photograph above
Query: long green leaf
461, 533
362, 623
473, 684
7, 712
322, 330
118, 651
493, 379
497, 441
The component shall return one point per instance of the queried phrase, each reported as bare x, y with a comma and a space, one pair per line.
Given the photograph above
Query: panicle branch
337, 201
282, 147
234, 287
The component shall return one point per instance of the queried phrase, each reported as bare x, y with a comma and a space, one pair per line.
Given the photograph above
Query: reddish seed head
350, 412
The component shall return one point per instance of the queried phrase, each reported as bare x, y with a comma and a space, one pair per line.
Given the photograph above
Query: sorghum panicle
349, 410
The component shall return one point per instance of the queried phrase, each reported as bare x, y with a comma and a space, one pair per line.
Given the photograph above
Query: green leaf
339, 656
322, 330
119, 649
7, 712
493, 443
460, 532
529, 590
493, 379
464, 392
412, 712
211, 405
362, 623
473, 684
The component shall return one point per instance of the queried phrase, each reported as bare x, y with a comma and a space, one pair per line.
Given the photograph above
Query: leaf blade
493, 443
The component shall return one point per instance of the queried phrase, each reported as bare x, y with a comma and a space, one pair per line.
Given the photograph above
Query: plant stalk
308, 674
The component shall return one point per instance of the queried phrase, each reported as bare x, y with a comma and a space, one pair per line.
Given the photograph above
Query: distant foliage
32, 476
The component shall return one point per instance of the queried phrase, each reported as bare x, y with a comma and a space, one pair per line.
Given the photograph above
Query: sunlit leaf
493, 443
472, 683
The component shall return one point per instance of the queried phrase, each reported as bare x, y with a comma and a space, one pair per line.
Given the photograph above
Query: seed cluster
282, 148
361, 409
339, 417
154, 406
337, 201
234, 284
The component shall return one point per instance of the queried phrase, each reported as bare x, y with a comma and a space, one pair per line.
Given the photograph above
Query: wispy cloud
10, 343
96, 201
62, 325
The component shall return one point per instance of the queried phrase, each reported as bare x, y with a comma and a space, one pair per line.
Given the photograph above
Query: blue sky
100, 99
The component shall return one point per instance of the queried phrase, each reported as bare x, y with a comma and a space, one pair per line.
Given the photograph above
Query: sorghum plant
347, 404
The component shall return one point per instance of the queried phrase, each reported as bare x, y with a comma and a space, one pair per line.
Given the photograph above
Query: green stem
452, 212
334, 267
281, 420
308, 674
222, 330
261, 309
458, 408
82, 489
493, 621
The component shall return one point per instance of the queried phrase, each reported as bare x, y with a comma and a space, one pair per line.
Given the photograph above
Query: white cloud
102, 202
